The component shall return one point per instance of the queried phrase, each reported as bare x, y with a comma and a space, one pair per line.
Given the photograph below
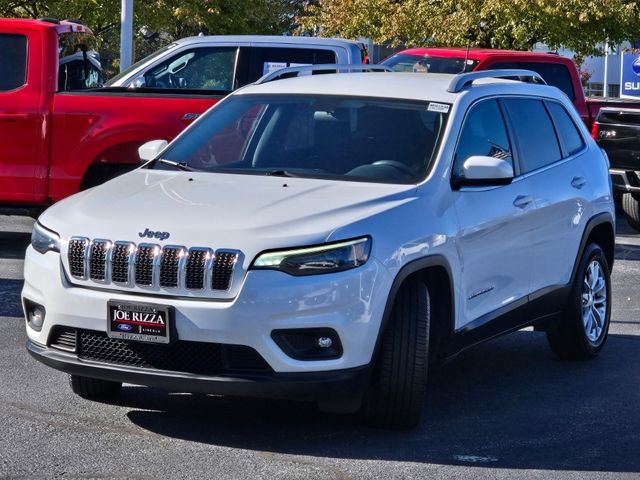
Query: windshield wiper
280, 173
178, 165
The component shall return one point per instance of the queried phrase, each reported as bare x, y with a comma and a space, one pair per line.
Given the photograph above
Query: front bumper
627, 181
313, 386
351, 303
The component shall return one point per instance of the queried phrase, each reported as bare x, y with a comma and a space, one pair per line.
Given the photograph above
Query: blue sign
630, 76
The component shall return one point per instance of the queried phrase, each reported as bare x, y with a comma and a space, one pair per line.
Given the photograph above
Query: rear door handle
522, 201
13, 117
578, 182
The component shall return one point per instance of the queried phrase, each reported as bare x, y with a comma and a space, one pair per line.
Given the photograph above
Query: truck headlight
327, 258
44, 240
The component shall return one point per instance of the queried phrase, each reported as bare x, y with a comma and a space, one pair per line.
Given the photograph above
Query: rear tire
93, 387
582, 331
631, 209
395, 398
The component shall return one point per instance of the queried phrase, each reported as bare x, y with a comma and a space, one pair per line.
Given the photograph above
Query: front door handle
522, 201
13, 117
578, 182
190, 117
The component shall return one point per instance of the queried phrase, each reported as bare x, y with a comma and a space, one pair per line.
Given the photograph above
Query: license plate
142, 322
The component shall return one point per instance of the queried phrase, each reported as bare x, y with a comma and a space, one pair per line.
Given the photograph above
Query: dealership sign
630, 75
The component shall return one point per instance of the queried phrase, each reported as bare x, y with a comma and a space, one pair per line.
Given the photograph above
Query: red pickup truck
556, 70
55, 140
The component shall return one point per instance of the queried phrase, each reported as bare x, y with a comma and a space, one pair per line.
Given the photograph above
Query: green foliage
515, 24
158, 22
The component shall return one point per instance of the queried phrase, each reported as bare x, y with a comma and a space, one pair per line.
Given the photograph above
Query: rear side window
567, 131
13, 61
554, 74
263, 60
484, 133
198, 68
534, 133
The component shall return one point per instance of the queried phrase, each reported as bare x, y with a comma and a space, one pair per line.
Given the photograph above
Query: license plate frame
144, 322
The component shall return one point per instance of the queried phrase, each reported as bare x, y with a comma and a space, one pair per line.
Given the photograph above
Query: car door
19, 116
495, 224
552, 153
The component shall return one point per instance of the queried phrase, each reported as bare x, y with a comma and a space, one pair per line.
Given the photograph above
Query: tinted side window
199, 68
535, 136
483, 133
263, 60
13, 61
553, 73
567, 130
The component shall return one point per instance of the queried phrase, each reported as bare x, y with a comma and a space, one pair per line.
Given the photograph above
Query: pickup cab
556, 70
55, 140
617, 131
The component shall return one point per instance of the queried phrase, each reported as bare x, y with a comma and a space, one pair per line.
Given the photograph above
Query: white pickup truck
227, 62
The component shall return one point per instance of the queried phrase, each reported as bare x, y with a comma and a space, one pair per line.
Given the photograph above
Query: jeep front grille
150, 265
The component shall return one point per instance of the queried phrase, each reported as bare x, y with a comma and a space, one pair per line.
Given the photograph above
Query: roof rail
329, 67
462, 80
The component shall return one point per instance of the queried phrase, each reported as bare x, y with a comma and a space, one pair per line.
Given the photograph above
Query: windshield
79, 63
402, 62
146, 59
319, 136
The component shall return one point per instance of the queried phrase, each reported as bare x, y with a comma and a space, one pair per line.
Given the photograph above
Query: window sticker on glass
438, 107
269, 67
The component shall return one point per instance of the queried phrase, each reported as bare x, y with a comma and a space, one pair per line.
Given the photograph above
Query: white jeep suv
324, 237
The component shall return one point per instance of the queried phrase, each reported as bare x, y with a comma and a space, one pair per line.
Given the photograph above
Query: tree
517, 24
158, 22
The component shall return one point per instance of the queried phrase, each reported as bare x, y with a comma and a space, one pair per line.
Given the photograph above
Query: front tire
395, 398
93, 388
583, 330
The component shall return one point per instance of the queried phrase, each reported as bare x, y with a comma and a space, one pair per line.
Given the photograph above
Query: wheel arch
599, 229
435, 271
114, 160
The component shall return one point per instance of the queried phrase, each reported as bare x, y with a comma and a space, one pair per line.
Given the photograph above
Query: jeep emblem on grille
151, 234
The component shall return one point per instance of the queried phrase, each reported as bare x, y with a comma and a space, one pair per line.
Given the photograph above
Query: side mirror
479, 170
150, 150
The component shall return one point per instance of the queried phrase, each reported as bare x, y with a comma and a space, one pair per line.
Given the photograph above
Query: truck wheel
631, 209
395, 398
93, 387
582, 331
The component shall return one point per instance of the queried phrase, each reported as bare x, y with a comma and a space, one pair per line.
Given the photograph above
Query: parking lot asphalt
505, 409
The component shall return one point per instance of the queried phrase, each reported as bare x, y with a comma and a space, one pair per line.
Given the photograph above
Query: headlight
43, 240
328, 258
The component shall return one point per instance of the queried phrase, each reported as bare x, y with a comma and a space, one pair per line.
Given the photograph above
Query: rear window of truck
13, 61
554, 74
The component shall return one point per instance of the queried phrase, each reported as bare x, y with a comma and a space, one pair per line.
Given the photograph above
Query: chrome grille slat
145, 260
121, 261
172, 267
197, 268
77, 256
223, 270
98, 253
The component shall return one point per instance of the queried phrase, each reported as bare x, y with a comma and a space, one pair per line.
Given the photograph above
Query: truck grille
150, 265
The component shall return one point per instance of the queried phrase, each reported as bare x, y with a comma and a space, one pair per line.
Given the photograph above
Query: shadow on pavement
10, 305
14, 244
508, 403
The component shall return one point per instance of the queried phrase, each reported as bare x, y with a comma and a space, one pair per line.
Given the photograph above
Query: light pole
126, 34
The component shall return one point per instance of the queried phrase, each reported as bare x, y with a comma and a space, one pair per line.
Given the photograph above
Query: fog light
35, 314
309, 343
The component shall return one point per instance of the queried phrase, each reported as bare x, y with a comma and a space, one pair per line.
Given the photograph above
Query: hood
244, 212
